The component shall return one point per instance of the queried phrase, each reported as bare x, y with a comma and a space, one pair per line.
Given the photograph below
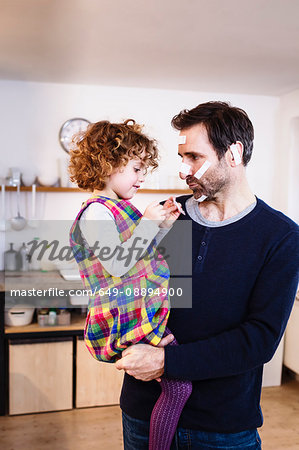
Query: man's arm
254, 341
245, 347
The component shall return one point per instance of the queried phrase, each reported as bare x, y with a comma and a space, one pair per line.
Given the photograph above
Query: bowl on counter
18, 316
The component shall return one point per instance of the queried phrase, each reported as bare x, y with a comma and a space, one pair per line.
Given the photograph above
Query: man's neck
229, 203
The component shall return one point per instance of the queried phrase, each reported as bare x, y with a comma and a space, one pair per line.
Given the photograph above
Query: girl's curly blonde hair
106, 146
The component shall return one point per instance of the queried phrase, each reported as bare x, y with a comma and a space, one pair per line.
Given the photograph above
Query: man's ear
237, 152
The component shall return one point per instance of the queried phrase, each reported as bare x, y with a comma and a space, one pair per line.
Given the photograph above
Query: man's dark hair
225, 124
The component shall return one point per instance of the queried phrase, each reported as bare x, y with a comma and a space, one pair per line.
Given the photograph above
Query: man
244, 280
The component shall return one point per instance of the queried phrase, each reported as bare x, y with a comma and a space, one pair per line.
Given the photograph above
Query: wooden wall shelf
71, 189
77, 323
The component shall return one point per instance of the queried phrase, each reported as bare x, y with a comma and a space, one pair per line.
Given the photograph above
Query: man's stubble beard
213, 182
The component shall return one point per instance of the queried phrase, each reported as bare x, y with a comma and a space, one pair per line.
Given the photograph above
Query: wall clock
68, 129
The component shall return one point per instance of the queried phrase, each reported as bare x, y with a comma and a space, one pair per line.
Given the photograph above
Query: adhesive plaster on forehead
235, 153
202, 170
182, 139
184, 168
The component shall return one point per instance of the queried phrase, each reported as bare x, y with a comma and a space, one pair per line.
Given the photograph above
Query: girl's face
125, 181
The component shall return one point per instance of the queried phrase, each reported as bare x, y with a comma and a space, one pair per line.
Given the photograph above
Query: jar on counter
52, 317
42, 317
64, 317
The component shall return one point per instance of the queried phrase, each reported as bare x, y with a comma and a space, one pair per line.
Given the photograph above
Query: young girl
129, 279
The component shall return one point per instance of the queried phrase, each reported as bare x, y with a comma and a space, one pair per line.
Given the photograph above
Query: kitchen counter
77, 323
37, 280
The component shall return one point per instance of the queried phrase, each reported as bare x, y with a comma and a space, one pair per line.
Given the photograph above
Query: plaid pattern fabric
124, 313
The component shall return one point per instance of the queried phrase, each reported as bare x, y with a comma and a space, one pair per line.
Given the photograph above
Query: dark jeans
136, 433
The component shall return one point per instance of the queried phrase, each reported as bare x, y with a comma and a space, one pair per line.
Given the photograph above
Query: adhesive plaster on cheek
182, 139
202, 170
184, 168
235, 153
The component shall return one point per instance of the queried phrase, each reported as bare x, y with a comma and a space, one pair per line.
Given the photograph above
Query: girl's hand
156, 212
172, 213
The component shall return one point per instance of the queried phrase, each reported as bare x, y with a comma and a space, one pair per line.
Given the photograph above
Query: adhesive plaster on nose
235, 153
182, 139
184, 168
202, 170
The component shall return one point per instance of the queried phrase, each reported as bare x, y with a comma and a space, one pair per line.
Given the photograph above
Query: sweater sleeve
255, 340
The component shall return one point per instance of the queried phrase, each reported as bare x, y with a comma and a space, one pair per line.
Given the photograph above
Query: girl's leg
167, 410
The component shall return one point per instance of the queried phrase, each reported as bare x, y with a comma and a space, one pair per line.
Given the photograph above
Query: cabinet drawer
40, 375
98, 383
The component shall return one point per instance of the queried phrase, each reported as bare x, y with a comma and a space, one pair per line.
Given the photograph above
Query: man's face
195, 152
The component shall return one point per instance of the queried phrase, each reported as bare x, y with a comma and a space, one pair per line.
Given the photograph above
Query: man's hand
143, 361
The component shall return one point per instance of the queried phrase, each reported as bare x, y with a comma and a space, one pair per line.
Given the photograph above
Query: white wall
32, 114
286, 186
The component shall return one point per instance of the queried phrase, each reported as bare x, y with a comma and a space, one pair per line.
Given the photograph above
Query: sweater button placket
203, 249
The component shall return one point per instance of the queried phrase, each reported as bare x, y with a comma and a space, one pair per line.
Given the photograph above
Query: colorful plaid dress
122, 310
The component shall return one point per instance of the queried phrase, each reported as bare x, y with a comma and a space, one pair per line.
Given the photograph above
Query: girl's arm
100, 233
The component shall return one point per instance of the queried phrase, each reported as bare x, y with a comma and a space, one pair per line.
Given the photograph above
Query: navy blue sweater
243, 285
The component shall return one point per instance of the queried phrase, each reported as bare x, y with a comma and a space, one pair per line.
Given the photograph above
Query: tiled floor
100, 428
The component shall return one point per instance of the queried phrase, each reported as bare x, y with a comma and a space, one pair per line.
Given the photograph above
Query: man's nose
182, 176
185, 167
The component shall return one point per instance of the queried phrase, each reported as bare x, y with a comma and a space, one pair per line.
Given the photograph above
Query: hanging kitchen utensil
2, 220
18, 222
32, 222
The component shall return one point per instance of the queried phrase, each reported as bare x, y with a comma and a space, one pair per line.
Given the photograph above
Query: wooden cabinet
40, 375
50, 369
97, 383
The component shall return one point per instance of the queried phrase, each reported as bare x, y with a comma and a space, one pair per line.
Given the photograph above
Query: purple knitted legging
167, 410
